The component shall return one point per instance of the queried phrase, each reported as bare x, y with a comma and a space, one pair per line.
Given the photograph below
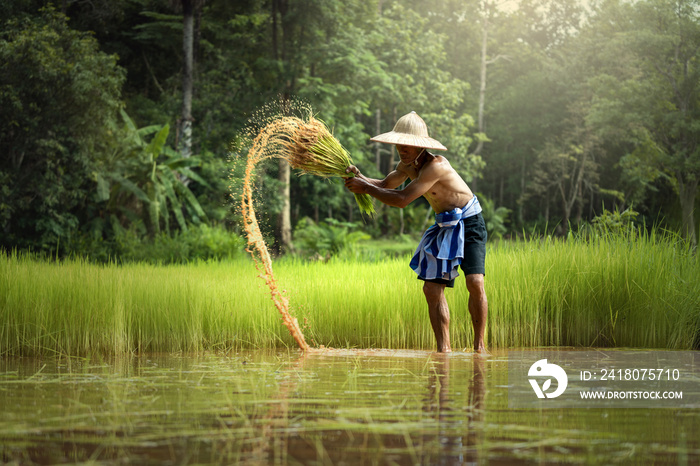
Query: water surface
321, 407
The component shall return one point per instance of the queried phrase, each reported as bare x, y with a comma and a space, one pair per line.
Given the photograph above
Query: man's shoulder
437, 163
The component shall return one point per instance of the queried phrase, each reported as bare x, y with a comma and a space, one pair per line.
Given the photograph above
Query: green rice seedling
610, 292
607, 292
74, 307
309, 146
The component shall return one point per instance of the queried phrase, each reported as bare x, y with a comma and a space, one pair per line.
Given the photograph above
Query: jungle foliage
556, 112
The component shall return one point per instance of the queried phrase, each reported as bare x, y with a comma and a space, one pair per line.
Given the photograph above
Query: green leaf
146, 130
194, 176
192, 201
154, 208
127, 120
155, 147
102, 189
130, 187
168, 181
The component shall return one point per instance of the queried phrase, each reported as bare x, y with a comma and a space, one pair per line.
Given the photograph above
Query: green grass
604, 293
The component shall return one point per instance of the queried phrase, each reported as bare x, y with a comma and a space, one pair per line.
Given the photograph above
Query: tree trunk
482, 85
687, 191
568, 201
500, 191
187, 77
482, 88
521, 206
378, 145
284, 221
566, 209
579, 205
283, 233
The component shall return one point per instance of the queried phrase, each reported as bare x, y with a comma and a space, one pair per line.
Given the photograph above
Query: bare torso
431, 176
448, 190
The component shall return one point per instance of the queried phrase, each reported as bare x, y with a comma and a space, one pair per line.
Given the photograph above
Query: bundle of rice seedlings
310, 147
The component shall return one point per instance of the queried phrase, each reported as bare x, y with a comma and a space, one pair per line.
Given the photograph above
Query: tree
140, 184
59, 97
188, 9
563, 169
485, 61
655, 101
290, 39
523, 90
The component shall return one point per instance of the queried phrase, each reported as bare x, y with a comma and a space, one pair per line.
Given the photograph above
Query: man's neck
420, 160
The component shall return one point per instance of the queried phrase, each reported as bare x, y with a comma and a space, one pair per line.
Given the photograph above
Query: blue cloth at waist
452, 217
441, 249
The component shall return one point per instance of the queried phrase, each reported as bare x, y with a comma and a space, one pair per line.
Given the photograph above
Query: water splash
263, 147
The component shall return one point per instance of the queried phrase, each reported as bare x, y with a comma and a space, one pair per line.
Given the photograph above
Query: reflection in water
335, 407
477, 407
272, 440
456, 445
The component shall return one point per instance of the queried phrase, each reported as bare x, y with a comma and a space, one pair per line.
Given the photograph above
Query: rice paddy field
604, 293
190, 364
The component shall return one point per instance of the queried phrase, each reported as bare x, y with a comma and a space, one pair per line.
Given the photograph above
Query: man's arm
397, 198
392, 181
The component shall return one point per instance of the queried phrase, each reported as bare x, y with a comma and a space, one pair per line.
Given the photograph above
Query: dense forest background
121, 120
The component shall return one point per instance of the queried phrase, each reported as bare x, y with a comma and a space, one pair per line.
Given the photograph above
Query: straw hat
410, 130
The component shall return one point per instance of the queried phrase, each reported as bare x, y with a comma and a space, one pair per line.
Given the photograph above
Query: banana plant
328, 237
144, 181
494, 217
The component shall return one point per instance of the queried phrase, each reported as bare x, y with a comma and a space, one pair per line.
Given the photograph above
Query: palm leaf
191, 200
153, 207
194, 176
168, 182
130, 187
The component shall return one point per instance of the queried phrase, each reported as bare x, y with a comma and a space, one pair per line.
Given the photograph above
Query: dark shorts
474, 249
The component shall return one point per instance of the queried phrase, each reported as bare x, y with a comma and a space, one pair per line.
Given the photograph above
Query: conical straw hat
410, 130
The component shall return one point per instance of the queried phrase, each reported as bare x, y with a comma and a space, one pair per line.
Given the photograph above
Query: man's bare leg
478, 308
439, 314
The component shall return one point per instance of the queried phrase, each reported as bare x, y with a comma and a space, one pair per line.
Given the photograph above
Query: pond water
321, 407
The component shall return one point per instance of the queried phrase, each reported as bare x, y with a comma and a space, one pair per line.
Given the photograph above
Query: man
458, 237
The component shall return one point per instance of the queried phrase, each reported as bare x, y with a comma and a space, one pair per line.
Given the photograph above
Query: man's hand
353, 169
357, 185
